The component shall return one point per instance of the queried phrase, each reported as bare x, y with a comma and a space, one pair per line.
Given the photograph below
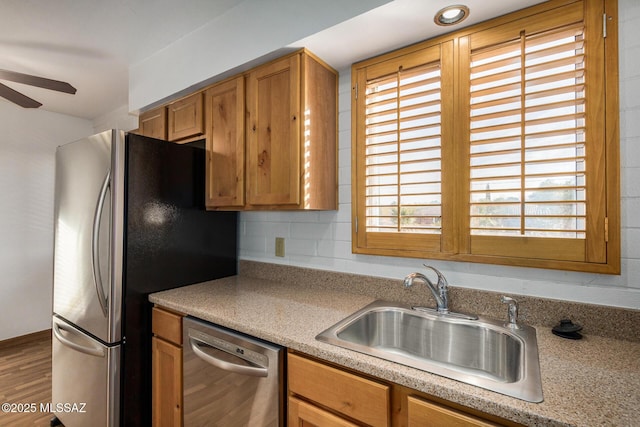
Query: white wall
253, 29
27, 148
120, 118
323, 239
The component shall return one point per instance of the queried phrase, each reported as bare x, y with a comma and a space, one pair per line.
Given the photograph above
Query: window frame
455, 243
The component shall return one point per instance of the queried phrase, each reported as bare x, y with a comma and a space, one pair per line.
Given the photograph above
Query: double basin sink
487, 353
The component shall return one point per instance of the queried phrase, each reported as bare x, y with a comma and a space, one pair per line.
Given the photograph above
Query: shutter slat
495, 128
576, 102
490, 52
495, 103
577, 90
555, 64
495, 78
496, 115
542, 81
493, 90
556, 50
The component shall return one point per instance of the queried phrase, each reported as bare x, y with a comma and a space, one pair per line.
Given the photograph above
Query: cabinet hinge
604, 25
356, 89
606, 229
356, 225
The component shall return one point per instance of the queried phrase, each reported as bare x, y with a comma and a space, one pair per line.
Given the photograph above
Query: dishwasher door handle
227, 366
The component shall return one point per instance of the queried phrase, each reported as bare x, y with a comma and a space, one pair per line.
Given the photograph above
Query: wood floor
25, 378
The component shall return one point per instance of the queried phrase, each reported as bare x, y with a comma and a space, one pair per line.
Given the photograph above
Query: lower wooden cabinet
303, 414
167, 368
167, 383
422, 413
322, 395
350, 396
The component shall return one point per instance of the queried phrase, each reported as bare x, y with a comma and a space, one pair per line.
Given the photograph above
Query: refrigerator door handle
227, 366
95, 257
93, 351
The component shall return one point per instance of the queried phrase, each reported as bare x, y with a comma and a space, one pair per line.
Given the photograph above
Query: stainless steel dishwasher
230, 379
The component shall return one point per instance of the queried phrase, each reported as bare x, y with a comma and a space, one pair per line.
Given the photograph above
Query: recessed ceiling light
451, 15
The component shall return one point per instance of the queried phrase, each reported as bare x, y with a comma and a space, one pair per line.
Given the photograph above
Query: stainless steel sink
483, 352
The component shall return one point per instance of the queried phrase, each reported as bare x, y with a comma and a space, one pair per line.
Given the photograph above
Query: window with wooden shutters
520, 164
400, 165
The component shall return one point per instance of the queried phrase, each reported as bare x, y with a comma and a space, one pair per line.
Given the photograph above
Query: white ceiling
92, 43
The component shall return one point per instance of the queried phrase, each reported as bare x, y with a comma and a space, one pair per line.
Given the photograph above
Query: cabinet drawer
422, 412
167, 325
304, 414
359, 398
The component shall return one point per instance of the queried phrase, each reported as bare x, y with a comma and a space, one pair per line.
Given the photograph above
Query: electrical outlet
280, 246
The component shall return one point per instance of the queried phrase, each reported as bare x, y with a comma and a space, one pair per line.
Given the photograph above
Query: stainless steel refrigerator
129, 220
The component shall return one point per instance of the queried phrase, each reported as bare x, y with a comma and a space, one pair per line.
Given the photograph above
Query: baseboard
34, 336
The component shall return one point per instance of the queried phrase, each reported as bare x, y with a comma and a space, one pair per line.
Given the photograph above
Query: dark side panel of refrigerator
170, 241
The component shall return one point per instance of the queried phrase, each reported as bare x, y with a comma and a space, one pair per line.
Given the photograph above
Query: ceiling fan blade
37, 81
17, 98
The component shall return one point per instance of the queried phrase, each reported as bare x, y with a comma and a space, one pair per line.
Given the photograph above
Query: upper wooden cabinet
224, 106
153, 123
271, 135
291, 134
185, 118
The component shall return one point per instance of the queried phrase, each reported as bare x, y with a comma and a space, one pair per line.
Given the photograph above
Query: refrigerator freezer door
85, 378
82, 292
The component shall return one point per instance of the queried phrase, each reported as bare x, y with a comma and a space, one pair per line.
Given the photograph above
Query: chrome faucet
440, 291
513, 310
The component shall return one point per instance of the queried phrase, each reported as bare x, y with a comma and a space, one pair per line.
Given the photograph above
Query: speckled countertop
591, 382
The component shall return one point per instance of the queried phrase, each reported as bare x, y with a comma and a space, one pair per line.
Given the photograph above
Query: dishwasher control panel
231, 348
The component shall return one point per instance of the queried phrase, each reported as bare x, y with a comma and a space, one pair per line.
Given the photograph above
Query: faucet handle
442, 290
442, 281
513, 309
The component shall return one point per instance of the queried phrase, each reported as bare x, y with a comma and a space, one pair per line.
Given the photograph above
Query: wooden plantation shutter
533, 156
399, 169
402, 156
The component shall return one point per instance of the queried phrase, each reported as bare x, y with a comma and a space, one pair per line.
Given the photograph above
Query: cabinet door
273, 132
184, 118
302, 414
167, 384
343, 392
423, 413
225, 144
153, 123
